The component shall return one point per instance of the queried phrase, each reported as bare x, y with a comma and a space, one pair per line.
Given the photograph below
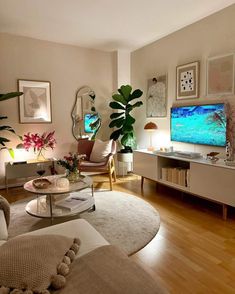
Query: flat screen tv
199, 124
88, 119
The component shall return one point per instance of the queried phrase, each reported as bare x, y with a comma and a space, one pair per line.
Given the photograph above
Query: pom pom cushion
31, 264
101, 150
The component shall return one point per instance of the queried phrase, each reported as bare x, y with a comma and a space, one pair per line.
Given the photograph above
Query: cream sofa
90, 238
112, 273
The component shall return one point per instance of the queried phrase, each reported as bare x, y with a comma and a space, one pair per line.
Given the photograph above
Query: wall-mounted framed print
220, 75
187, 81
156, 100
35, 103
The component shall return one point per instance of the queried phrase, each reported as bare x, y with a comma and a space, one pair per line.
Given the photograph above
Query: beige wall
211, 36
67, 68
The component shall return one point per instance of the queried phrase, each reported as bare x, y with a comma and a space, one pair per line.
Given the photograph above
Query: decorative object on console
71, 163
156, 99
122, 120
4, 140
212, 157
220, 75
150, 127
84, 108
35, 103
187, 81
39, 143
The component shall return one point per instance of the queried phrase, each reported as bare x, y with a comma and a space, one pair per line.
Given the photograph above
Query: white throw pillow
101, 150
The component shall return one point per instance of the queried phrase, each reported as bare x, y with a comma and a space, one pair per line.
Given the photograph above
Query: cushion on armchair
101, 150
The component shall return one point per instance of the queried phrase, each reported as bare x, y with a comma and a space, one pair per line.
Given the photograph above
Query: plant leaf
128, 139
116, 105
119, 98
92, 97
127, 129
11, 152
3, 141
130, 120
94, 125
10, 95
137, 104
115, 135
125, 90
136, 94
7, 128
117, 122
116, 114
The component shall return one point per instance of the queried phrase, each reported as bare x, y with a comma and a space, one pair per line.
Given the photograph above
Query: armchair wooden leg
114, 171
110, 180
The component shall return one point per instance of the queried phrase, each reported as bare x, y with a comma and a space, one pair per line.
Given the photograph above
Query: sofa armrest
3, 226
90, 238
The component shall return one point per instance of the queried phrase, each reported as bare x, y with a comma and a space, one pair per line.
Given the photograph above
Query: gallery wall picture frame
187, 80
156, 98
220, 75
35, 103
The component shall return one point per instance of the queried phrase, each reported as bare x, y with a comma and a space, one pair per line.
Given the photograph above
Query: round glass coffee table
54, 202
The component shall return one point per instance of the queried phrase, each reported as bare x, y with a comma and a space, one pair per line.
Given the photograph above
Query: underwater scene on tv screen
201, 124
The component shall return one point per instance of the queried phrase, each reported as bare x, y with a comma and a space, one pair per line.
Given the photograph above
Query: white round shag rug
122, 219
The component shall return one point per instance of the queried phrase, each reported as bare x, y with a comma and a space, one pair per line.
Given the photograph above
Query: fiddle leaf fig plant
122, 120
6, 128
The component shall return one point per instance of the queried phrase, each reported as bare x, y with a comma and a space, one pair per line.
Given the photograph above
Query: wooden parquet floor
194, 250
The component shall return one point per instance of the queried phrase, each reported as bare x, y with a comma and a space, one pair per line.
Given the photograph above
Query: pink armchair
85, 147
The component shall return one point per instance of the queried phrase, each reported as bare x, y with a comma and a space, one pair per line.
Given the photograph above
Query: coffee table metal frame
53, 190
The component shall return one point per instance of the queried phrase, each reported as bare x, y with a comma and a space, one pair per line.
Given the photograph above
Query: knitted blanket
5, 206
106, 270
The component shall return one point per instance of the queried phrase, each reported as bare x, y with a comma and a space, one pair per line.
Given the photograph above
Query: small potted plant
122, 120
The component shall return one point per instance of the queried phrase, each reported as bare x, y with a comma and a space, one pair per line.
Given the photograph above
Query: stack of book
74, 201
176, 175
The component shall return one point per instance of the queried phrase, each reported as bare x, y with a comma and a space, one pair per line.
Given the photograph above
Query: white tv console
215, 182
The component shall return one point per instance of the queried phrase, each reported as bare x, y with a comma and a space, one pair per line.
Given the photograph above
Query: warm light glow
20, 154
150, 127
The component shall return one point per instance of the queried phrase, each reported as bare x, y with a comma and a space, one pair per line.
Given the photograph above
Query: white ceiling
103, 24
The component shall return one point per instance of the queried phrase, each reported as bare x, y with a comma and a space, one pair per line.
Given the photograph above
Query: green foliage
122, 120
6, 128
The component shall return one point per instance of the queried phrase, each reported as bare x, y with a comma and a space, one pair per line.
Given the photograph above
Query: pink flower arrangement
39, 142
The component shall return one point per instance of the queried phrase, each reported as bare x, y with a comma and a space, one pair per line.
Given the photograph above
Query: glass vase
73, 176
40, 155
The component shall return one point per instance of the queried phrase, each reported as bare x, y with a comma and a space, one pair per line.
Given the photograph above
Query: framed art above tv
220, 75
187, 81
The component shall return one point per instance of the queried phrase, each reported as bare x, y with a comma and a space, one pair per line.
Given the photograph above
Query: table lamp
150, 127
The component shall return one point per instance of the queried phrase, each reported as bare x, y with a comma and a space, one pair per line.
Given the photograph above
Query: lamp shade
150, 126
